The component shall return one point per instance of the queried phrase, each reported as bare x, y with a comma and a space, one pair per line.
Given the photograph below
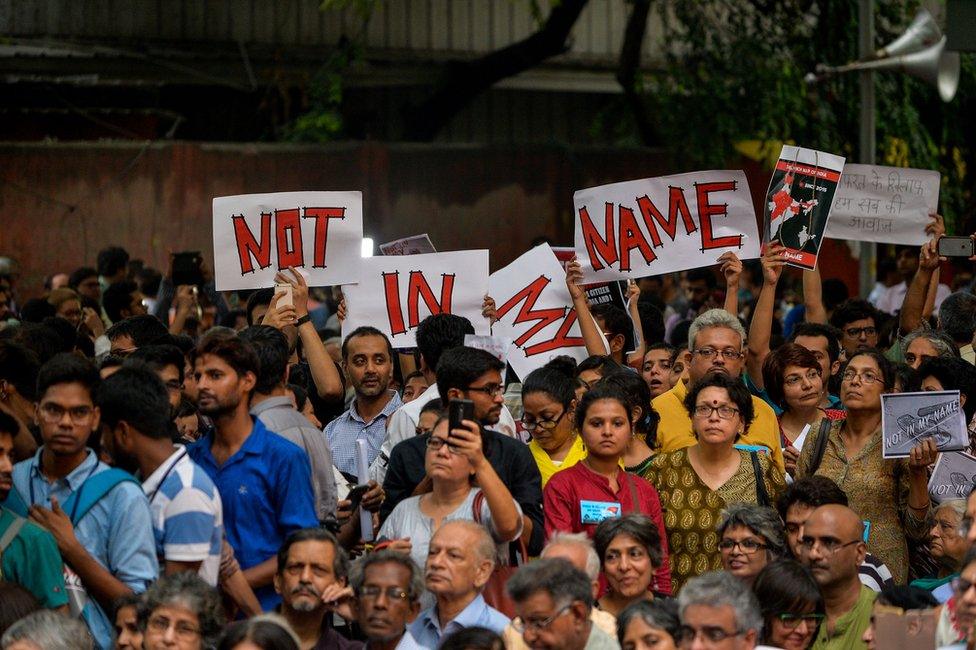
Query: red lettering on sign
288, 226
322, 216
596, 247
631, 237
394, 313
248, 248
676, 205
526, 299
418, 287
561, 339
707, 210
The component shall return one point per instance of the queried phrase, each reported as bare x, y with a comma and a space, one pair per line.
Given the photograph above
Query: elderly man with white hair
718, 611
578, 549
716, 344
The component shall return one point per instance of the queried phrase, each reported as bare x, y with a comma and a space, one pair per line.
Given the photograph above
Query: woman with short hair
649, 625
629, 548
750, 537
791, 604
183, 606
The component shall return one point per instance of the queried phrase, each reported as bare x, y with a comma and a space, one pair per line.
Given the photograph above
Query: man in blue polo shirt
265, 481
99, 516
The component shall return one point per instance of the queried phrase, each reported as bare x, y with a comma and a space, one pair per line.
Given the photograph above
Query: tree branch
629, 67
462, 82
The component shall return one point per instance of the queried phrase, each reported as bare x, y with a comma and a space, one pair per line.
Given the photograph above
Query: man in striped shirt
186, 511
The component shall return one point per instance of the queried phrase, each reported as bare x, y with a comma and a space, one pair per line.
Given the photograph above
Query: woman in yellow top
548, 402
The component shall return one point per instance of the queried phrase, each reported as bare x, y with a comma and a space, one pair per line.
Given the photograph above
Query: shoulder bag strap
762, 496
823, 435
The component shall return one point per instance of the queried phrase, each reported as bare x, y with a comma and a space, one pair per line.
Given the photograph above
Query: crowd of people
186, 468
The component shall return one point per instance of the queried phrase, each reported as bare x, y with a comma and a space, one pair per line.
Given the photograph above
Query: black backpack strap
823, 435
762, 496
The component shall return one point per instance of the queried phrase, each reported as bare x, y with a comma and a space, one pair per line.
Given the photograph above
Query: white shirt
892, 298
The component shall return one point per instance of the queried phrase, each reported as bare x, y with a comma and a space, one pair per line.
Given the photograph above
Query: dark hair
473, 638
111, 260
854, 309
17, 603
600, 391
233, 351
67, 368
81, 274
18, 367
652, 321
117, 297
301, 396
143, 330
67, 334
638, 526
40, 339
149, 280
957, 316
704, 273
365, 330
661, 613
357, 572
460, 366
905, 374
834, 293
737, 391
186, 408
661, 345
158, 357
786, 587
811, 491
340, 561
8, 425
774, 368
553, 380
884, 365
435, 405
412, 375
128, 600
907, 597
829, 332
953, 374
604, 365
616, 321
638, 397
136, 395
189, 590
265, 633
111, 361
271, 347
256, 299
556, 576
440, 332
35, 310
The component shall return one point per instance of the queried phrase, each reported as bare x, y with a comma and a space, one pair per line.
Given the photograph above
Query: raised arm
732, 270
504, 513
761, 327
592, 337
814, 310
636, 358
914, 306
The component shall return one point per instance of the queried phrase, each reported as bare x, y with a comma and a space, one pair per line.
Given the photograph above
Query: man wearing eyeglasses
857, 321
387, 586
718, 612
716, 342
311, 579
833, 548
553, 600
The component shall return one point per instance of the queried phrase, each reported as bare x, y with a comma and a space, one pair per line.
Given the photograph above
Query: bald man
832, 547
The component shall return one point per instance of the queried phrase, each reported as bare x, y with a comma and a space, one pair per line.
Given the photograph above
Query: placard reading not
909, 418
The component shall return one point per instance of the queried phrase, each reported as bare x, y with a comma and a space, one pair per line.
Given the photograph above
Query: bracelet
304, 319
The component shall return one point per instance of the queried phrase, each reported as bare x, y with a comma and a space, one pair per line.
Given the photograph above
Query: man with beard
472, 374
367, 359
832, 547
271, 405
387, 586
312, 570
265, 481
98, 515
29, 553
715, 341
186, 510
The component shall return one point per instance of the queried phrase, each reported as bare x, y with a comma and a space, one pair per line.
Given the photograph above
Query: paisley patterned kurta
692, 510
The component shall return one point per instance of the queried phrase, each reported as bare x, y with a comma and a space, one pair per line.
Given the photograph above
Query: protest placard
255, 235
909, 418
496, 346
900, 629
798, 202
394, 293
534, 309
622, 231
889, 205
952, 477
415, 245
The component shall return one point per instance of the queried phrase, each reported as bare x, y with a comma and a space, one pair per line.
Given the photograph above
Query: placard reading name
658, 225
255, 235
534, 309
907, 419
395, 293
889, 205
952, 477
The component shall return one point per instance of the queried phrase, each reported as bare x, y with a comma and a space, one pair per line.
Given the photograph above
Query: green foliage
734, 71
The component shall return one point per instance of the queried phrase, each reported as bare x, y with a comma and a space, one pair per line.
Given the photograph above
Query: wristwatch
301, 321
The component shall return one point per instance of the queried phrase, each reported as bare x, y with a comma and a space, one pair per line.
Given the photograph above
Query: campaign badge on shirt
593, 512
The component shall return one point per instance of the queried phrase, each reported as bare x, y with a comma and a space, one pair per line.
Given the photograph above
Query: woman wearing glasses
948, 548
891, 494
793, 378
597, 488
697, 483
454, 461
792, 607
751, 537
180, 608
548, 401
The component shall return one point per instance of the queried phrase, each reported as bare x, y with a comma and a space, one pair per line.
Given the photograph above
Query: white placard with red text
657, 225
396, 292
255, 235
535, 310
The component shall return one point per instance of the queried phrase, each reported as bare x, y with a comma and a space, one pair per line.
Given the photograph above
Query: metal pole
867, 145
